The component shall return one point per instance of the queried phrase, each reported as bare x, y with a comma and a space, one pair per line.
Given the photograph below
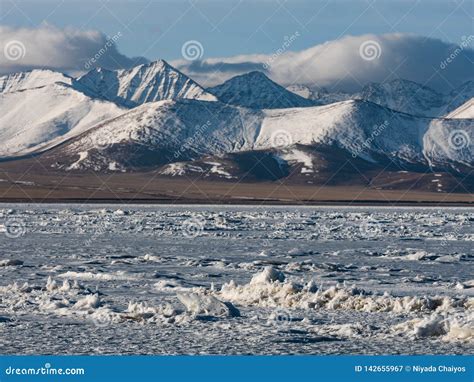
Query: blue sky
157, 29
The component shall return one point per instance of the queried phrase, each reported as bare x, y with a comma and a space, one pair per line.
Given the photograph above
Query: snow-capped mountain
149, 82
466, 110
182, 130
449, 143
459, 96
40, 117
404, 96
31, 80
42, 108
159, 133
321, 95
400, 95
152, 116
256, 91
302, 90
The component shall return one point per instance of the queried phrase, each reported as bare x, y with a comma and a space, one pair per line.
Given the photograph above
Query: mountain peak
256, 91
159, 64
400, 84
460, 96
405, 96
256, 74
33, 79
150, 82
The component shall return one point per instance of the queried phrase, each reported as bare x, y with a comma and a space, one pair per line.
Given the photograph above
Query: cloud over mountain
68, 50
345, 64
351, 62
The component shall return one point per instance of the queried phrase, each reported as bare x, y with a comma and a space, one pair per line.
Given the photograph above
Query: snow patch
299, 156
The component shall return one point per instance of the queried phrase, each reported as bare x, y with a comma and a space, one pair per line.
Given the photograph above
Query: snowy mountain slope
321, 95
41, 117
361, 127
171, 120
404, 96
400, 95
466, 110
317, 165
302, 90
150, 82
42, 108
459, 97
450, 142
161, 132
256, 91
182, 130
30, 80
307, 164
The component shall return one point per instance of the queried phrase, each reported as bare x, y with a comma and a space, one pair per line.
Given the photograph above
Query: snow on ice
254, 280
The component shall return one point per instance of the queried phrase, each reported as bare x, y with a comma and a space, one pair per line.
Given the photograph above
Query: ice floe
262, 280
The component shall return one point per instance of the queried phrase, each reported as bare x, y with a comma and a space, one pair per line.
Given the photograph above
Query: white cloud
344, 64
67, 50
337, 64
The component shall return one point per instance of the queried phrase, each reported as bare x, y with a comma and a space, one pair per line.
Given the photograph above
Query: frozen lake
103, 279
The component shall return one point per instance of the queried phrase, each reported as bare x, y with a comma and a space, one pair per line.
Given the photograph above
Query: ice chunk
119, 275
456, 326
428, 327
268, 275
449, 259
265, 290
420, 255
207, 305
460, 331
89, 302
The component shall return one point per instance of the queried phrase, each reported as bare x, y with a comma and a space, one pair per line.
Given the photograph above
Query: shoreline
147, 189
239, 202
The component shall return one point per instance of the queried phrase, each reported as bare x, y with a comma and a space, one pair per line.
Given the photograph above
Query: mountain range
154, 118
